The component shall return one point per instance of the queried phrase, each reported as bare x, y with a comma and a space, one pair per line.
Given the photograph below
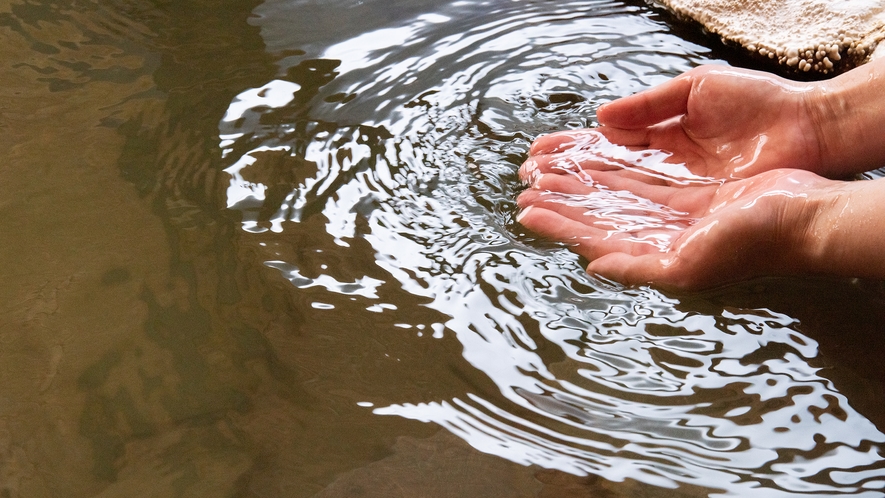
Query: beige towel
807, 35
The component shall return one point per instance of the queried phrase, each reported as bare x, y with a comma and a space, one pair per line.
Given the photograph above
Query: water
269, 249
607, 193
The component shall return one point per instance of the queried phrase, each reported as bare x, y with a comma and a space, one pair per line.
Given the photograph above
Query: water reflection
234, 231
402, 142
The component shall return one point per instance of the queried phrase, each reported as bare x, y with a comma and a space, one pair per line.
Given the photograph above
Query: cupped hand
720, 122
688, 237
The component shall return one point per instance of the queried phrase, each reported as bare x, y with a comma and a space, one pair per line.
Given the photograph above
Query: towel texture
807, 35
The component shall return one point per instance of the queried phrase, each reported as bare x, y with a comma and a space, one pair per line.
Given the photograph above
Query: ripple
405, 139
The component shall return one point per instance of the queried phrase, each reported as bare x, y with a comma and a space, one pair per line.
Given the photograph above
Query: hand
710, 178
688, 237
721, 122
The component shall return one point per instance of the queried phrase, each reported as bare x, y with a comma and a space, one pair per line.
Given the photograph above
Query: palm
688, 237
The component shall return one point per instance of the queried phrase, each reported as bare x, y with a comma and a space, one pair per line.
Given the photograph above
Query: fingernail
521, 215
535, 143
527, 172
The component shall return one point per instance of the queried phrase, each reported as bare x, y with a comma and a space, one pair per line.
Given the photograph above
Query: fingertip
545, 144
610, 266
620, 113
534, 146
603, 111
541, 221
616, 112
524, 199
521, 216
539, 145
528, 171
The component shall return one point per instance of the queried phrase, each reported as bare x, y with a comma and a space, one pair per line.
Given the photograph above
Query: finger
633, 223
589, 139
627, 163
668, 133
590, 209
661, 269
648, 107
619, 189
634, 270
603, 155
564, 140
529, 171
568, 163
609, 159
635, 137
586, 240
572, 199
632, 193
547, 199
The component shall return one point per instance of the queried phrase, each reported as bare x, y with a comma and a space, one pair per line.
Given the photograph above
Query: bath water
270, 249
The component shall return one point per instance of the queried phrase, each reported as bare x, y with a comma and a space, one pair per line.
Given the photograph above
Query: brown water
268, 249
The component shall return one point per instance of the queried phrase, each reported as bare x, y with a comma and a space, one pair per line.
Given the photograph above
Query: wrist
845, 232
846, 113
819, 233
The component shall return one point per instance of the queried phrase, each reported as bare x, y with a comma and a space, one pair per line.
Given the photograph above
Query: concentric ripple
403, 143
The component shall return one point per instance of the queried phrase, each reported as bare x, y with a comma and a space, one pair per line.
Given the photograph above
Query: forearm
846, 235
849, 112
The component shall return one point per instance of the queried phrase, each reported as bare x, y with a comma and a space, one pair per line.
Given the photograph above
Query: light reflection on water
404, 141
247, 245
613, 210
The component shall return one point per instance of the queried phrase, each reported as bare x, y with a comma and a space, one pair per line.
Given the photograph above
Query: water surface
269, 249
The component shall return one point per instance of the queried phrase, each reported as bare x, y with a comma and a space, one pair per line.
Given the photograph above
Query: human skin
763, 208
780, 222
733, 123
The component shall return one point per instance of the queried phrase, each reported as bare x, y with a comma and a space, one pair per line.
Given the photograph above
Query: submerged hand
721, 122
712, 177
693, 237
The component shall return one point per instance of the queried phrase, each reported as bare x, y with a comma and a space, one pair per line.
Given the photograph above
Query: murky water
269, 249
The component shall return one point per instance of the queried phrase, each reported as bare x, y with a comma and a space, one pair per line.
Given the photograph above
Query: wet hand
721, 122
638, 230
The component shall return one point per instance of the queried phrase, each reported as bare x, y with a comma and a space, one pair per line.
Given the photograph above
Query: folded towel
807, 35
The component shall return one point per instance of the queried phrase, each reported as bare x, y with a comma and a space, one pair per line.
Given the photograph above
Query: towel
824, 36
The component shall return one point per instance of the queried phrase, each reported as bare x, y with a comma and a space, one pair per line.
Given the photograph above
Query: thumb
648, 107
